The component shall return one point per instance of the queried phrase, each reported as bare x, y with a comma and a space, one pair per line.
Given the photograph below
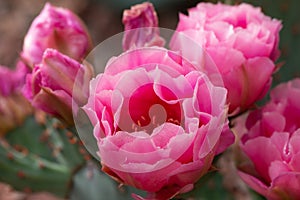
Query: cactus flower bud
50, 86
141, 27
56, 28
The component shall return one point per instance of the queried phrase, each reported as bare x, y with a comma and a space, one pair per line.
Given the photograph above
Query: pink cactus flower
271, 142
242, 42
158, 122
56, 28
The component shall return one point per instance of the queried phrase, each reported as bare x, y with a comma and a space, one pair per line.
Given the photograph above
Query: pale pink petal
249, 43
295, 142
161, 136
281, 141
226, 59
226, 139
186, 22
245, 85
149, 59
295, 162
272, 122
262, 152
277, 168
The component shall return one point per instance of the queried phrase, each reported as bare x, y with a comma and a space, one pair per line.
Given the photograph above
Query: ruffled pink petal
191, 172
250, 44
281, 141
262, 152
129, 156
295, 162
277, 168
161, 136
222, 30
274, 26
245, 86
254, 183
226, 59
288, 89
295, 142
149, 58
226, 139
287, 186
179, 86
256, 83
287, 95
272, 122
204, 88
151, 181
207, 139
186, 23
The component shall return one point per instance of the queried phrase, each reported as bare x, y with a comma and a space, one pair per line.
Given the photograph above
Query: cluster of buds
54, 47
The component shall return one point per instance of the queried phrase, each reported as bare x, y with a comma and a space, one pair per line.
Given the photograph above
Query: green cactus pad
37, 157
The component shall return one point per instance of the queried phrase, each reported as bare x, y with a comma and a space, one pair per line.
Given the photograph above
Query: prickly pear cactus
40, 157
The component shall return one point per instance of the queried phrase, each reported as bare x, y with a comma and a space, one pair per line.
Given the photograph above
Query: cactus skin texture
40, 157
47, 157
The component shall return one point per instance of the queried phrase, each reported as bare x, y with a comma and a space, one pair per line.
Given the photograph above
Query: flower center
149, 110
